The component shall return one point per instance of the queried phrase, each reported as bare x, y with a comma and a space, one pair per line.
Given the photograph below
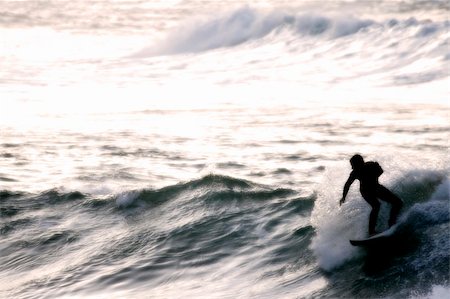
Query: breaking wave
247, 24
426, 197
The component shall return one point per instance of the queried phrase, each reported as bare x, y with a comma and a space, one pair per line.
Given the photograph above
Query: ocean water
198, 149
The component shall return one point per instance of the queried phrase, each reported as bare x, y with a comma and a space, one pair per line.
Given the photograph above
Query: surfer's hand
341, 201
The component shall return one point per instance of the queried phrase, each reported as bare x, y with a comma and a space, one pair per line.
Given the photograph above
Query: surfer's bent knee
374, 203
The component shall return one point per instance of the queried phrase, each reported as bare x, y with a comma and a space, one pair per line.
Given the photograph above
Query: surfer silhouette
371, 190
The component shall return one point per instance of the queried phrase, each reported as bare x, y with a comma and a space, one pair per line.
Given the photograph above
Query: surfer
371, 190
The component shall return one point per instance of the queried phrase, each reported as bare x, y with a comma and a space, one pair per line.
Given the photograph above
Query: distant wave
247, 24
211, 188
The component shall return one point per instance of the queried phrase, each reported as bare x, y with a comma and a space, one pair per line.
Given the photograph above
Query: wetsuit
371, 191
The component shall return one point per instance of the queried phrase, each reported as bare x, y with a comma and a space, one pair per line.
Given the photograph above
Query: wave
247, 24
426, 197
149, 234
5, 194
215, 224
43, 199
210, 188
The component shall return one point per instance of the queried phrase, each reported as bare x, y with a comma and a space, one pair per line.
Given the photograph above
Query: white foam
227, 30
335, 225
127, 198
438, 292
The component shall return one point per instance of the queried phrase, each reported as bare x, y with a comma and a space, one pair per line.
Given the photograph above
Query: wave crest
210, 188
247, 24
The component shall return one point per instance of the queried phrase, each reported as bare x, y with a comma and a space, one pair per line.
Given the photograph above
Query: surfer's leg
373, 202
384, 194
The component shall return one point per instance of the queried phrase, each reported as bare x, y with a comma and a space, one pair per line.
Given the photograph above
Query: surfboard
378, 239
372, 241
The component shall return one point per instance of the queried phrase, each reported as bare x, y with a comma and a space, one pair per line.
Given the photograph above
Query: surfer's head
357, 161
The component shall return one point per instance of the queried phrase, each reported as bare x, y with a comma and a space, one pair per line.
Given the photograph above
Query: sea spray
336, 225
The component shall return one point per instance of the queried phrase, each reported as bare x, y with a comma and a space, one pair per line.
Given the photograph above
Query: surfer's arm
347, 185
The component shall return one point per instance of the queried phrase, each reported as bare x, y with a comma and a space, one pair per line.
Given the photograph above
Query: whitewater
198, 149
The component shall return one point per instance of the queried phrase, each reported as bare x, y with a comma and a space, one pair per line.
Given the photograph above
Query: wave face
143, 239
139, 239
